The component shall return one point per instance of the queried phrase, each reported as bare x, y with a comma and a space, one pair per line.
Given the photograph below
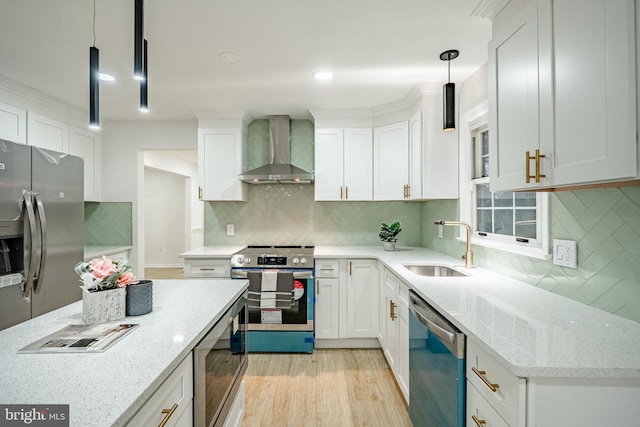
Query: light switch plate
231, 229
565, 253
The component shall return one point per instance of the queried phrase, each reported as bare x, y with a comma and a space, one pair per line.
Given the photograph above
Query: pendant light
138, 41
449, 94
144, 105
94, 80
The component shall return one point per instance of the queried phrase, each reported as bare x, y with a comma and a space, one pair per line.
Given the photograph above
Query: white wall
164, 218
474, 90
123, 146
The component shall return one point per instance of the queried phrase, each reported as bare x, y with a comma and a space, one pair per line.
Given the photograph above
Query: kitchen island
108, 388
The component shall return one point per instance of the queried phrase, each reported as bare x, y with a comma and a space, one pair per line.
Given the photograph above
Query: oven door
297, 317
220, 360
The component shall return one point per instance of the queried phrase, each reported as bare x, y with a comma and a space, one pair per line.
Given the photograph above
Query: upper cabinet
391, 162
47, 133
220, 161
344, 164
88, 145
562, 94
13, 124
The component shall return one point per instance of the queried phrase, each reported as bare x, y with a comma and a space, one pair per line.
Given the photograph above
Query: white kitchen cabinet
172, 401
13, 123
211, 268
327, 317
237, 410
343, 164
395, 338
88, 145
362, 299
47, 133
565, 87
220, 161
391, 162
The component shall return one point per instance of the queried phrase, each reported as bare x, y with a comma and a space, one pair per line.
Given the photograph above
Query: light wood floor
163, 273
345, 388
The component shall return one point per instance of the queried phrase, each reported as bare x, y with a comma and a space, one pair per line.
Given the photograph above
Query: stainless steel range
280, 301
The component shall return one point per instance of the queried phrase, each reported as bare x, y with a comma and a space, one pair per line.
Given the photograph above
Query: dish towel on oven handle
270, 289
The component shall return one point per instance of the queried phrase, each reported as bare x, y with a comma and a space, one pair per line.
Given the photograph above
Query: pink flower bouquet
101, 274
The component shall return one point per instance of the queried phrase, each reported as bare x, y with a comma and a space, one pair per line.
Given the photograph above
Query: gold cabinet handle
392, 310
528, 158
167, 414
208, 269
346, 192
408, 191
317, 287
341, 192
481, 374
478, 421
350, 268
199, 193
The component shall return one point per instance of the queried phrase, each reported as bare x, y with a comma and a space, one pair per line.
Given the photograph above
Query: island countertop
108, 388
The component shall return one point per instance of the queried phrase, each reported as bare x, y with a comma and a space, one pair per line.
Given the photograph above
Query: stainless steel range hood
280, 170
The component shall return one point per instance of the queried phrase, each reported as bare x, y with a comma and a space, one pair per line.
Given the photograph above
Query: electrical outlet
231, 230
565, 253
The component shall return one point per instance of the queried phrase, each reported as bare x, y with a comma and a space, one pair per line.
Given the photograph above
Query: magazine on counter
81, 338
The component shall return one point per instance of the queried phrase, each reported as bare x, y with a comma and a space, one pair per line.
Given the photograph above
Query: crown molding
489, 8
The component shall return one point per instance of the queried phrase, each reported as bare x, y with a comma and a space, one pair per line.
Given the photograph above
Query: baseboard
347, 343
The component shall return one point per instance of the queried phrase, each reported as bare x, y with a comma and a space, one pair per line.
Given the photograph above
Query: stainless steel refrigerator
41, 230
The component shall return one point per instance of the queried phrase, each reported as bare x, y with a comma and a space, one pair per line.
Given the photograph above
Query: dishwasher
436, 366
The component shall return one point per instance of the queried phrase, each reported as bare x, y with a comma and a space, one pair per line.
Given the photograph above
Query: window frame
473, 120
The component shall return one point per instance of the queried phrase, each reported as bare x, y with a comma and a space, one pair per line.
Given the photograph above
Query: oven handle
297, 274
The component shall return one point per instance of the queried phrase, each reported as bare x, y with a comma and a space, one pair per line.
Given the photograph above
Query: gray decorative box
103, 306
140, 298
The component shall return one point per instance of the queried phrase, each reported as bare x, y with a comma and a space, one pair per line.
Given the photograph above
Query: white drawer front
176, 392
220, 268
326, 268
504, 391
479, 412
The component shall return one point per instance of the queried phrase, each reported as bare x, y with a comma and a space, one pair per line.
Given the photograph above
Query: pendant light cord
94, 22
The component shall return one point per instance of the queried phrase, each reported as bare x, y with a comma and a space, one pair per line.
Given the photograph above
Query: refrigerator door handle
38, 281
31, 217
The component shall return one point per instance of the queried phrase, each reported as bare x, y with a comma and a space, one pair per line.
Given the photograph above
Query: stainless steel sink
433, 270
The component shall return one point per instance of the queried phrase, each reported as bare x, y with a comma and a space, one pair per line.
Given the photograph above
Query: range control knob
248, 260
303, 260
295, 260
240, 259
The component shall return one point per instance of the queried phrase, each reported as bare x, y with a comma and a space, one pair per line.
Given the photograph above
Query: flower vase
103, 306
389, 246
139, 298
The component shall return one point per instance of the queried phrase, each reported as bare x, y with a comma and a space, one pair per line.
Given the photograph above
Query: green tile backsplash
606, 225
107, 224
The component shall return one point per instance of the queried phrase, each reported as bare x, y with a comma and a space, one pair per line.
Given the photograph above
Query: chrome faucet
468, 255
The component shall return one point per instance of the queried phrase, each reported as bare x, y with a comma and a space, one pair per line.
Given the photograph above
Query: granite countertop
530, 331
212, 252
96, 251
109, 388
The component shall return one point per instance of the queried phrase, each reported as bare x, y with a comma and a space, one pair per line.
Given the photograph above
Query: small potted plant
388, 234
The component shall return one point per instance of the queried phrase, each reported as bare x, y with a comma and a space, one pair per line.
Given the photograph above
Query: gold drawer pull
167, 414
208, 269
392, 310
481, 374
478, 422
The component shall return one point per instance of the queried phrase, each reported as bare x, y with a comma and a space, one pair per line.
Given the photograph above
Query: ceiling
378, 51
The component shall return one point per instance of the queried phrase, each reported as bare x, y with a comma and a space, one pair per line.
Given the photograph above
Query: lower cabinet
346, 302
236, 413
216, 268
394, 339
171, 404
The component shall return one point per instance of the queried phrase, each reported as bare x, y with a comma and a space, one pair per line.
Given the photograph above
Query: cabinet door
47, 133
87, 145
220, 157
513, 97
362, 297
329, 164
327, 302
13, 124
358, 164
391, 161
392, 340
415, 155
588, 98
403, 349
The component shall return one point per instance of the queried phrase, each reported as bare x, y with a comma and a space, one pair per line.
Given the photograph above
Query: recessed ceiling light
106, 77
229, 57
323, 75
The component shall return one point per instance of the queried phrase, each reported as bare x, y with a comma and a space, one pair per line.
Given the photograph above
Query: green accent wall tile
108, 224
257, 144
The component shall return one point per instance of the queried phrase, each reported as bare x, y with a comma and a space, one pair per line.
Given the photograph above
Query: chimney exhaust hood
280, 170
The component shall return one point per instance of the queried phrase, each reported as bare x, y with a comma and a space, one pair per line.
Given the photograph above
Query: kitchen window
511, 221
